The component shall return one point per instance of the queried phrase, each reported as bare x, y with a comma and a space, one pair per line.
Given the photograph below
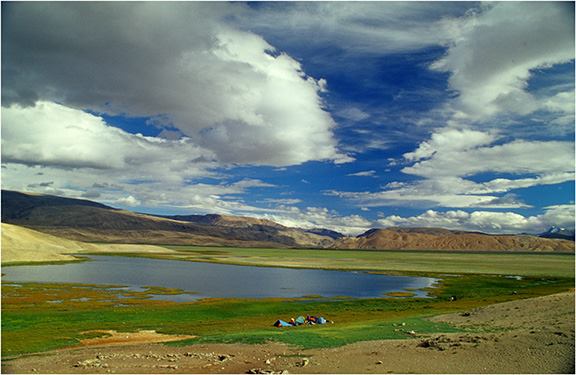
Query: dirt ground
525, 336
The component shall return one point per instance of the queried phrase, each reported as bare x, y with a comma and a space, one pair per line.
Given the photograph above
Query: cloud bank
446, 166
227, 90
487, 221
493, 52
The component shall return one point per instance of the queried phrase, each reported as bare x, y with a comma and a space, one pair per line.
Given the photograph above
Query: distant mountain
444, 239
82, 220
87, 221
225, 220
17, 205
326, 232
557, 232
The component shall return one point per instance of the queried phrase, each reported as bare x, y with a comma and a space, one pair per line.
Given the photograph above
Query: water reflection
218, 280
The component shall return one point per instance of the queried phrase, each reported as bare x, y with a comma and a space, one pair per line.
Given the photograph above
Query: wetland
208, 280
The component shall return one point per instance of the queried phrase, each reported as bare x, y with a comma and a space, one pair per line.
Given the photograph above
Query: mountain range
87, 221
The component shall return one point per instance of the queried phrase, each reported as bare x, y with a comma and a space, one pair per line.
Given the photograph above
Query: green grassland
40, 317
405, 261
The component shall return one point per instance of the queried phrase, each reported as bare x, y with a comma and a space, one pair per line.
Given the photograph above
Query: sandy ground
21, 244
114, 338
525, 336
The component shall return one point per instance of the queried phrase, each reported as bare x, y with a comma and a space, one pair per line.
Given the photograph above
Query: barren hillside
443, 239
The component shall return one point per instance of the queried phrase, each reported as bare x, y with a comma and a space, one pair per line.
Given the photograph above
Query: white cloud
487, 221
492, 53
353, 114
283, 201
53, 149
227, 90
562, 105
50, 134
450, 140
370, 173
448, 162
560, 215
128, 201
448, 192
358, 27
319, 217
519, 157
166, 194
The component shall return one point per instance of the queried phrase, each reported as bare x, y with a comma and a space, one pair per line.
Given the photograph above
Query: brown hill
225, 220
444, 239
83, 220
88, 221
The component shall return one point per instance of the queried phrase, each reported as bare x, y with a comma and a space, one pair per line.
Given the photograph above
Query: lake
218, 280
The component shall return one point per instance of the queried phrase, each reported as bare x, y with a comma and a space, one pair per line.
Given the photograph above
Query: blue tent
281, 323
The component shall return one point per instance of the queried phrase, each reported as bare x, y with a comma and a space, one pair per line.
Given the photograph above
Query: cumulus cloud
160, 194
128, 201
85, 157
493, 52
519, 157
318, 217
450, 140
447, 164
487, 221
227, 90
49, 134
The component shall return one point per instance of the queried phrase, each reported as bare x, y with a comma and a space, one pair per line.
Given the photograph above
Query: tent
300, 320
281, 323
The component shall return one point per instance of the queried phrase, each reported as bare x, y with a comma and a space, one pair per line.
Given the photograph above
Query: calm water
217, 280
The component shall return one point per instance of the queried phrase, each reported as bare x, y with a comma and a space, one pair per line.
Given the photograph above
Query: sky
338, 115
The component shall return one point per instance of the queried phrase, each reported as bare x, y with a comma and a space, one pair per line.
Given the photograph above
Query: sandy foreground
526, 336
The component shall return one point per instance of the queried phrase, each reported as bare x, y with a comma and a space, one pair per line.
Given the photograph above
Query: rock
171, 367
261, 371
304, 363
379, 363
223, 357
268, 362
430, 343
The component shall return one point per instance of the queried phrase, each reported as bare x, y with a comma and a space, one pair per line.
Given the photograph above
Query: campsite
87, 328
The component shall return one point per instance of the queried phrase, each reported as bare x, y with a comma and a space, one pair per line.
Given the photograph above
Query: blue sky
343, 115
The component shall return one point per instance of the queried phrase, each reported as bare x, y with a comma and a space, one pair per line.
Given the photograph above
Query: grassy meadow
37, 317
405, 261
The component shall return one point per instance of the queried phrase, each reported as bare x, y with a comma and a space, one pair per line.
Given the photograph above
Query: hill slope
83, 220
21, 244
26, 245
444, 239
89, 221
